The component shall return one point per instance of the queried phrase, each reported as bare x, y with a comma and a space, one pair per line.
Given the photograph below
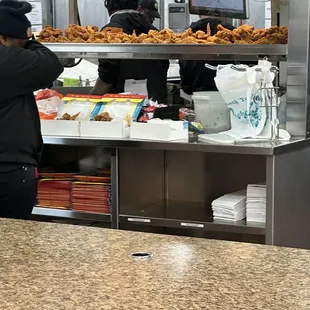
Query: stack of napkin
256, 203
230, 207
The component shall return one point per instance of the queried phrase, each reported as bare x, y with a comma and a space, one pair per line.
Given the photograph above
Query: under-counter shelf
180, 214
70, 214
169, 51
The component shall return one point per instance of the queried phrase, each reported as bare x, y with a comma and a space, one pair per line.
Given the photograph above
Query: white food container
159, 130
211, 111
112, 129
60, 128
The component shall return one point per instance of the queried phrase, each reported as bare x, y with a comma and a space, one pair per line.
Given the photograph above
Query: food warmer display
159, 186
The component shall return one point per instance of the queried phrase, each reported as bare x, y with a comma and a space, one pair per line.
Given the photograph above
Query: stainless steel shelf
266, 148
169, 51
187, 215
69, 214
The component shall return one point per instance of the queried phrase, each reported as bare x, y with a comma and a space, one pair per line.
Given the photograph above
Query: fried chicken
244, 34
217, 40
208, 30
78, 34
225, 35
68, 117
103, 117
248, 35
49, 34
201, 35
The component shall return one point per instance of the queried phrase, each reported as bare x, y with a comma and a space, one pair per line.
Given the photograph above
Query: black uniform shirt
23, 71
116, 72
194, 75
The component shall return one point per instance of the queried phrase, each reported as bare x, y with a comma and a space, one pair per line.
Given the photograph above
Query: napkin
230, 207
256, 203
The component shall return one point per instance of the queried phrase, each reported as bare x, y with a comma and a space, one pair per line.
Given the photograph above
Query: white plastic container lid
207, 95
201, 97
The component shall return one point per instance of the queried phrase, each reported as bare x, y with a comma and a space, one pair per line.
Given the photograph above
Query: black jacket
23, 71
115, 72
194, 75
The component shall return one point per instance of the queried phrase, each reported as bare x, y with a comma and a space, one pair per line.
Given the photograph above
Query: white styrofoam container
60, 128
162, 131
94, 129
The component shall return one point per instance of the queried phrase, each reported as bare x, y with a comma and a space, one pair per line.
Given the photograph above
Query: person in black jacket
194, 75
113, 73
149, 9
26, 66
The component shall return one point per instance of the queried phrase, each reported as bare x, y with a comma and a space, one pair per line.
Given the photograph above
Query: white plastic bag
247, 103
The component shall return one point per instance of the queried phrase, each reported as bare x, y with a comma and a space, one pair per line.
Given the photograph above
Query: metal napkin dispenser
178, 16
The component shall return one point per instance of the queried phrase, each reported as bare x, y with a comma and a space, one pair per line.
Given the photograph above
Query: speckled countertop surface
53, 266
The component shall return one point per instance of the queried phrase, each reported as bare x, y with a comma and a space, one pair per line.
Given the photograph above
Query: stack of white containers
256, 203
230, 207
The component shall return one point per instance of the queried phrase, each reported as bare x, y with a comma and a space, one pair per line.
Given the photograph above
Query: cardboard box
60, 128
160, 130
112, 129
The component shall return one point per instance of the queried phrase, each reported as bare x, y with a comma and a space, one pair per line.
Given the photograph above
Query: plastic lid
200, 97
206, 93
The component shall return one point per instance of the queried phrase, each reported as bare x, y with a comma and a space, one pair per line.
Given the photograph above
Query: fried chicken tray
244, 34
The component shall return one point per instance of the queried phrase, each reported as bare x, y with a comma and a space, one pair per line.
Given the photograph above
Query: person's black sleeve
228, 26
166, 65
186, 77
29, 69
109, 70
157, 81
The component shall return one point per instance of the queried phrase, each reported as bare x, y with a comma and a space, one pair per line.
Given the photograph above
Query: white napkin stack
256, 203
230, 207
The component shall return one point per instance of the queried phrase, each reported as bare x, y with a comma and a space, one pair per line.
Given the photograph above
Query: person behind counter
118, 76
149, 9
194, 75
26, 66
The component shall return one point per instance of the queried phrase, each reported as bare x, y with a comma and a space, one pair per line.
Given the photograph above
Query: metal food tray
169, 51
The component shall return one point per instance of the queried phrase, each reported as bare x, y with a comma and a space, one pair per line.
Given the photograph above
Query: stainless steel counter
168, 51
266, 148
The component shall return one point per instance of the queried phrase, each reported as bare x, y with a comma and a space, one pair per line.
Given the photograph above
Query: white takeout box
60, 128
160, 130
114, 129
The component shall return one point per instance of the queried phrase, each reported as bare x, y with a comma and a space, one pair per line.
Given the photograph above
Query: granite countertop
54, 266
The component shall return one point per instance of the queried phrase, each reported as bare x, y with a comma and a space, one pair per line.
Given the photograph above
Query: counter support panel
172, 185
288, 179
